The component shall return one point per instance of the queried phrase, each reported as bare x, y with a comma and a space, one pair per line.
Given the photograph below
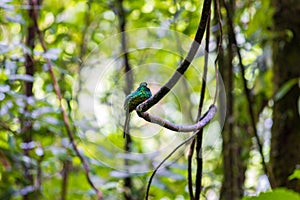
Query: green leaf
285, 88
295, 175
277, 194
3, 76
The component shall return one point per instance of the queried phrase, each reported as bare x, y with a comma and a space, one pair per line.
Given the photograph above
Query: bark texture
285, 142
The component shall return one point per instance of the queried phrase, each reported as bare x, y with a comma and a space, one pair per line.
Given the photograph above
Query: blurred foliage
276, 194
295, 175
74, 31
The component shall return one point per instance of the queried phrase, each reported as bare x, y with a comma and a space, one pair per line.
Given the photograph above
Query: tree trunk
230, 187
285, 142
234, 137
26, 124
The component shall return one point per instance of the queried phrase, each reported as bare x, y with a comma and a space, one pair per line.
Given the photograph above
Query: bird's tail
126, 125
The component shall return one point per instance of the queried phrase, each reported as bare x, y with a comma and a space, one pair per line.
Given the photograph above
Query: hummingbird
141, 94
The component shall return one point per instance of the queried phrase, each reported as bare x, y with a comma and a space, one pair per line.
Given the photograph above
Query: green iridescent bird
141, 94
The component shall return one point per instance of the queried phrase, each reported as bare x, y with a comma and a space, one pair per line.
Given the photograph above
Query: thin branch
26, 124
189, 169
120, 12
65, 177
248, 96
63, 111
204, 121
219, 50
191, 149
184, 65
163, 161
180, 128
200, 132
